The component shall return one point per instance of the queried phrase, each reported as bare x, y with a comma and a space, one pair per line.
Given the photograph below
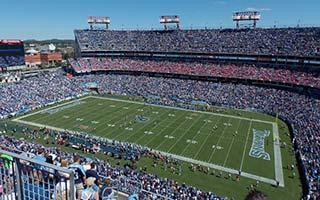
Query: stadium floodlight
246, 16
98, 20
170, 19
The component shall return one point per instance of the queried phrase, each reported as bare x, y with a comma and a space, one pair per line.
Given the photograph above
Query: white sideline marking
277, 156
182, 158
221, 168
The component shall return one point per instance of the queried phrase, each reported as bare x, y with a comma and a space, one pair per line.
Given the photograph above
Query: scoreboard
11, 55
11, 48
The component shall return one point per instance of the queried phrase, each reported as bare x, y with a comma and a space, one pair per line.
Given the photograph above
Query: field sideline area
230, 143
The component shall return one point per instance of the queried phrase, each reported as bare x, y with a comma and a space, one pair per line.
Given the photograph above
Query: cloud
257, 9
220, 2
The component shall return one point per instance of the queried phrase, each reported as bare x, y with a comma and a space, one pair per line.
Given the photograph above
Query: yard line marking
41, 117
172, 133
245, 145
217, 144
141, 128
143, 136
182, 135
30, 114
199, 131
197, 111
117, 121
225, 161
277, 153
95, 127
159, 134
56, 119
195, 156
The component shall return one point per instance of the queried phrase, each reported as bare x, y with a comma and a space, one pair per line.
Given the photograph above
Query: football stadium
166, 113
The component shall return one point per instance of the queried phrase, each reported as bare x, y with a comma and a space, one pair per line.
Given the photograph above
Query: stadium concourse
301, 111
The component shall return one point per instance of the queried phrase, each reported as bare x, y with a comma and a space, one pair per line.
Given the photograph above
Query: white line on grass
141, 128
277, 152
221, 136
225, 161
277, 156
175, 108
88, 117
182, 158
245, 145
171, 133
117, 121
202, 145
144, 135
195, 135
50, 115
42, 110
186, 131
173, 122
221, 168
103, 123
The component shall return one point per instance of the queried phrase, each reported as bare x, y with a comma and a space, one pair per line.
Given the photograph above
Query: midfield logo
257, 148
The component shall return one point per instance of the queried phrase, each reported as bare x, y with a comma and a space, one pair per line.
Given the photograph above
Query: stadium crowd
244, 71
98, 175
275, 41
301, 111
6, 61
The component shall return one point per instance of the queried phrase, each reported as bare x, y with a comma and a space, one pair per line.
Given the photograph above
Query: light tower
246, 16
170, 19
98, 20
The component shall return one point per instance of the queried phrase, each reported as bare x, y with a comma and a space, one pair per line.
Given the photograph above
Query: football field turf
230, 143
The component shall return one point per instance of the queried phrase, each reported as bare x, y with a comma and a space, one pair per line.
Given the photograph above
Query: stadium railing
24, 178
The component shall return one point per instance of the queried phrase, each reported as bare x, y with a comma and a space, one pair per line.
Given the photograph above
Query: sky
49, 19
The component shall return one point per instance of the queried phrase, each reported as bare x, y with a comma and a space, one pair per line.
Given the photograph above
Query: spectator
90, 193
79, 175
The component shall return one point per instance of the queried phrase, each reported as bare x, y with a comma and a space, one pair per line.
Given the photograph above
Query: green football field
227, 142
